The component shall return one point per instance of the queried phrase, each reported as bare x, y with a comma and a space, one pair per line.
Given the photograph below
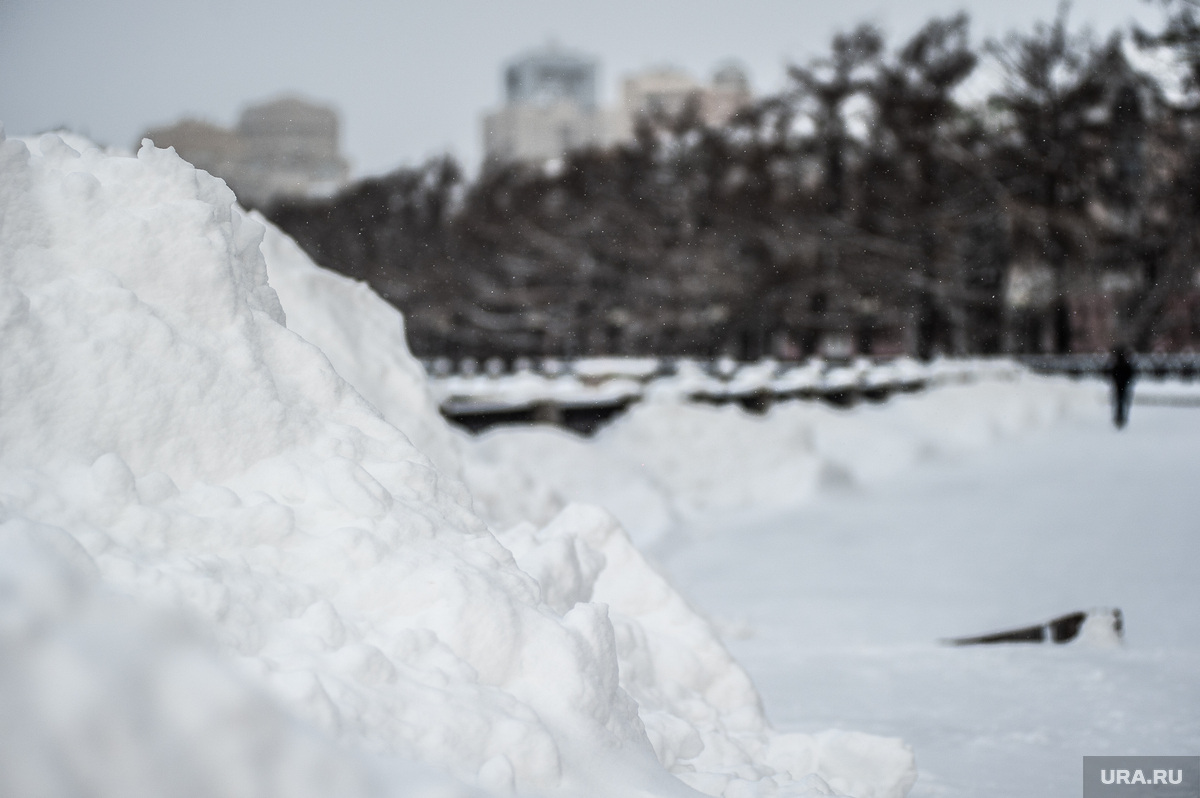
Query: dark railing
1181, 365
478, 396
583, 397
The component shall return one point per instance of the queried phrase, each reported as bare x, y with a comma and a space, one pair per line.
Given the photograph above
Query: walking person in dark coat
1121, 372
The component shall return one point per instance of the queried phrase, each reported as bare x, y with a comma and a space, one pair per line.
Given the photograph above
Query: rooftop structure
551, 76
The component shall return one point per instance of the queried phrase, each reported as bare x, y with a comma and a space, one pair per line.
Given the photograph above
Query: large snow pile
701, 714
226, 573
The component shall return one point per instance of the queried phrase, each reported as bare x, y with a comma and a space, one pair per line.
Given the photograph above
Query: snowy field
836, 608
241, 554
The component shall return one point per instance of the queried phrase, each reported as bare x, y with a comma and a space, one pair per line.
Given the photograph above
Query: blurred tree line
867, 208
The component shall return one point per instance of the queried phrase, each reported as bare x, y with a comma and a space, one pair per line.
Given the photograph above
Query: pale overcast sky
411, 79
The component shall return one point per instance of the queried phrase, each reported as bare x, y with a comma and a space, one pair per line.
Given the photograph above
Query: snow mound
700, 710
556, 463
390, 378
363, 337
163, 429
669, 463
106, 698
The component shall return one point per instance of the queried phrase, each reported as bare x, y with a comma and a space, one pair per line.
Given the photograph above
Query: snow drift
671, 464
225, 564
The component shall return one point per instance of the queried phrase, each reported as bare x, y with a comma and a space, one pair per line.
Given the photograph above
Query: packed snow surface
837, 608
238, 557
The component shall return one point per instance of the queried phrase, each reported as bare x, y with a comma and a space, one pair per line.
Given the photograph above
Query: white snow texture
237, 557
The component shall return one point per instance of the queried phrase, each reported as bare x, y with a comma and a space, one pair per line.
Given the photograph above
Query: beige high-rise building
285, 147
728, 93
664, 93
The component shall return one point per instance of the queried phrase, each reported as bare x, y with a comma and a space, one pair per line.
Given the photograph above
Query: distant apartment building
285, 147
665, 93
551, 107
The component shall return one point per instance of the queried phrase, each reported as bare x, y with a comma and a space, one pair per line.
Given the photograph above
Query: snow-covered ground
1169, 393
836, 608
242, 555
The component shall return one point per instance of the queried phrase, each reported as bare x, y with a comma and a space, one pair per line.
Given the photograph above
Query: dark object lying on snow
1063, 629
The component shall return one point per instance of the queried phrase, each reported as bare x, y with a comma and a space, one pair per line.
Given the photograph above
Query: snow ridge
165, 435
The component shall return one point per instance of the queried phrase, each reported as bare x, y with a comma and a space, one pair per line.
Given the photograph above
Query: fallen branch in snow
1100, 624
